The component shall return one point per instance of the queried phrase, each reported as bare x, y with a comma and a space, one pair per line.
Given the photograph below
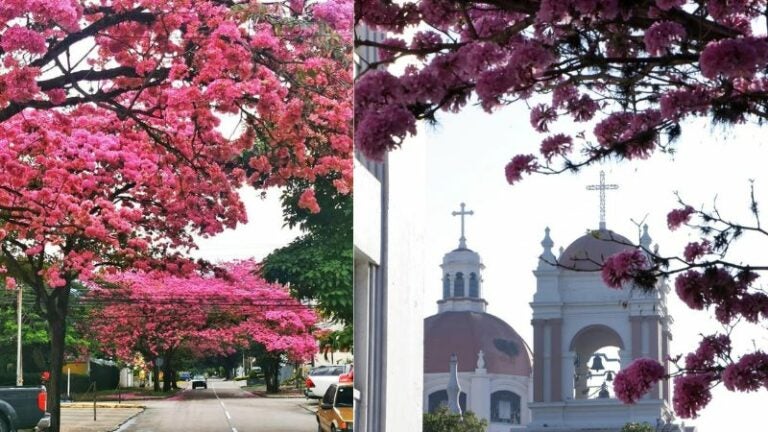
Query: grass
126, 394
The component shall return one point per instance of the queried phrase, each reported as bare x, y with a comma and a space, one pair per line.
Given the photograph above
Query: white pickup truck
321, 377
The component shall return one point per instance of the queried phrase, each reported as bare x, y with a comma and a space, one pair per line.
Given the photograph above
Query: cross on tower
462, 240
602, 187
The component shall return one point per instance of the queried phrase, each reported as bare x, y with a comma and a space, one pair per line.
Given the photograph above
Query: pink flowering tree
159, 315
115, 148
631, 73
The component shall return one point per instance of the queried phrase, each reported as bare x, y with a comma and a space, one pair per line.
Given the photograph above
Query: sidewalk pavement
109, 416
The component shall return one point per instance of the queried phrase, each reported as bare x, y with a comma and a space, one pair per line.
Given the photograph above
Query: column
480, 394
538, 360
556, 359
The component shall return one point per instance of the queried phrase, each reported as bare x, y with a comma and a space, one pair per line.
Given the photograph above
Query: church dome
462, 256
588, 252
466, 333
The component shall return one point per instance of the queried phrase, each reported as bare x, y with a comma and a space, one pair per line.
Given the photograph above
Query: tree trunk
167, 374
271, 368
57, 327
155, 376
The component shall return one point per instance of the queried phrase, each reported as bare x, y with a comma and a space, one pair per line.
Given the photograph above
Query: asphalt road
223, 407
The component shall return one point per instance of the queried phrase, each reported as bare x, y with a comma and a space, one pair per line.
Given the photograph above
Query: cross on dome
462, 213
602, 187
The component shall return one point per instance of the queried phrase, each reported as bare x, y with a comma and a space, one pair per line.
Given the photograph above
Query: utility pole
19, 371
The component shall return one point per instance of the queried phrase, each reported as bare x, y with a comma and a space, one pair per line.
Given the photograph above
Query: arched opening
505, 407
474, 286
458, 285
440, 398
446, 286
596, 351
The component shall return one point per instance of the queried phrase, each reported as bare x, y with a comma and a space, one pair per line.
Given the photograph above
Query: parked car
199, 381
321, 377
335, 413
23, 408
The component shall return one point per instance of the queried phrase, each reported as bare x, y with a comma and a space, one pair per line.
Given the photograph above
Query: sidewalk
109, 416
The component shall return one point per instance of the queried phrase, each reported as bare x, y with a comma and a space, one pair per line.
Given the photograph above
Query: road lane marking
229, 417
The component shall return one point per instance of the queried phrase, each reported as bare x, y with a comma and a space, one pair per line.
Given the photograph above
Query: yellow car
335, 413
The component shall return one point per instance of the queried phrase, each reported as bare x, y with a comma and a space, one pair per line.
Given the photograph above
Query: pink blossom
629, 135
583, 108
518, 165
748, 374
733, 58
389, 53
10, 283
689, 287
691, 394
677, 217
425, 40
438, 12
721, 9
677, 102
695, 250
308, 201
633, 382
556, 145
710, 349
541, 116
669, 4
381, 131
661, 35
21, 38
623, 266
57, 96
564, 94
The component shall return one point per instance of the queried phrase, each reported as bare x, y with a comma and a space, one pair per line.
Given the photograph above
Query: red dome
466, 333
588, 252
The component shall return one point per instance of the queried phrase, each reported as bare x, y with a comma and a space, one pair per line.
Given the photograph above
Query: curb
128, 421
100, 405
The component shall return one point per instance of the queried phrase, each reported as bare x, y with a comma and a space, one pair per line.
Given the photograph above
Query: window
329, 395
474, 287
505, 407
458, 285
446, 286
344, 397
440, 397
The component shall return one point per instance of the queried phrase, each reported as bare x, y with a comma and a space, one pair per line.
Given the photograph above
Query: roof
588, 252
466, 333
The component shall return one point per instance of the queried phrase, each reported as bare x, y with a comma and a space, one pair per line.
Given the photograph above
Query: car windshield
199, 377
344, 397
327, 370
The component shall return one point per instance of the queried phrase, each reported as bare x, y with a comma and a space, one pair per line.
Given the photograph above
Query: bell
609, 378
603, 392
597, 363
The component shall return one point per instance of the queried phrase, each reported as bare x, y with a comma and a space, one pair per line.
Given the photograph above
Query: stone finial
453, 386
645, 239
547, 258
481, 360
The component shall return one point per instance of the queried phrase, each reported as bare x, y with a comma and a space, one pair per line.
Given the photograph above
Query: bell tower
462, 276
584, 332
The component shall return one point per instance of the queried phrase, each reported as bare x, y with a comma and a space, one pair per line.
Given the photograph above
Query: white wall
405, 287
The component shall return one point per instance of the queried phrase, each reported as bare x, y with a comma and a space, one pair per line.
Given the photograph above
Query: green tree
35, 337
318, 264
443, 420
637, 427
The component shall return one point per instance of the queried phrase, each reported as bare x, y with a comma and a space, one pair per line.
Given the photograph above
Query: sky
467, 154
263, 233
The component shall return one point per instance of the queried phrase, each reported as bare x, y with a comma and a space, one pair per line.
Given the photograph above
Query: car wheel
4, 425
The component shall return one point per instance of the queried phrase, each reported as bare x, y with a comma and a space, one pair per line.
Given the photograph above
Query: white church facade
583, 333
